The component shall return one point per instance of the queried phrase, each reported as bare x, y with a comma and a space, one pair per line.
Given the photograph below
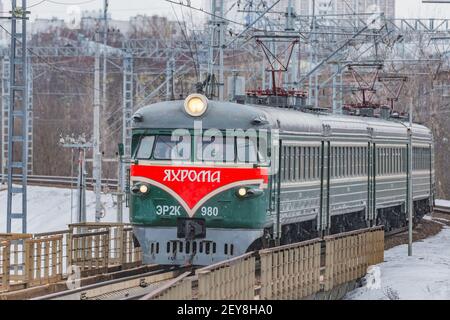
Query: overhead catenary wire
58, 69
44, 61
206, 12
78, 3
197, 74
35, 4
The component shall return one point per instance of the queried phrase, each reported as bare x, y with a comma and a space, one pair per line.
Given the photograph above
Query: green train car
211, 180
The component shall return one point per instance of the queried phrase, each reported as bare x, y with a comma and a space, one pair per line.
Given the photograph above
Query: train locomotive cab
198, 189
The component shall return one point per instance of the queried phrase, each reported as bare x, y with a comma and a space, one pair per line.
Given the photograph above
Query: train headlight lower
242, 192
249, 192
140, 189
143, 188
195, 104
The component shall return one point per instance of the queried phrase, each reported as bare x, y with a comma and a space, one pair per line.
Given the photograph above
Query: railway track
395, 232
65, 182
442, 209
128, 288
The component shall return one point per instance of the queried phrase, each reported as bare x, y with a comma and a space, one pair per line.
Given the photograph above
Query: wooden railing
228, 280
179, 288
90, 252
66, 244
14, 259
43, 260
30, 260
348, 255
294, 271
121, 247
4, 264
291, 271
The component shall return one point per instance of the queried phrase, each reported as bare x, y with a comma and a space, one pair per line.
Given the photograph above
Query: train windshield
207, 148
226, 149
145, 147
216, 149
172, 148
164, 147
246, 150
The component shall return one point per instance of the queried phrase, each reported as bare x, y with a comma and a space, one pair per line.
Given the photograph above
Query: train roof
228, 115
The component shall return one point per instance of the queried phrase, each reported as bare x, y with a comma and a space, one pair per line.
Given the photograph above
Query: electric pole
105, 43
216, 49
17, 162
82, 146
410, 182
120, 184
97, 165
97, 169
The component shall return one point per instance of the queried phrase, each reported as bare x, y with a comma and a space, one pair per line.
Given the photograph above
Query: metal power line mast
127, 111
5, 115
82, 147
17, 118
216, 51
6, 68
99, 102
97, 156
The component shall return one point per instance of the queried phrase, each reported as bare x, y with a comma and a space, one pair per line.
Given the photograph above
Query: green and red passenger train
212, 180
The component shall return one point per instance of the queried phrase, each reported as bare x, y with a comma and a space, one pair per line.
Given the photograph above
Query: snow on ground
424, 276
443, 203
49, 209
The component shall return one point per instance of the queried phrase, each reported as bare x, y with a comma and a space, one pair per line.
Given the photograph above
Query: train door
371, 181
324, 217
275, 188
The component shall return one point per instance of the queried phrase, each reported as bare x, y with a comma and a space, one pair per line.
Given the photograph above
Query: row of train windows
299, 163
348, 162
303, 163
394, 160
391, 160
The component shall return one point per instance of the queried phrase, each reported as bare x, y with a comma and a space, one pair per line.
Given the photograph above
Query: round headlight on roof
195, 104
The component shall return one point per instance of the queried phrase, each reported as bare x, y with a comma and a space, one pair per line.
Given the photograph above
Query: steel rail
63, 181
118, 287
442, 209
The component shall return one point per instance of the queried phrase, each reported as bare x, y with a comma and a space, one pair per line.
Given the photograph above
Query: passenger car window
145, 147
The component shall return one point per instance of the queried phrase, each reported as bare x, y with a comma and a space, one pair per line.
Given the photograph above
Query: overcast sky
122, 9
